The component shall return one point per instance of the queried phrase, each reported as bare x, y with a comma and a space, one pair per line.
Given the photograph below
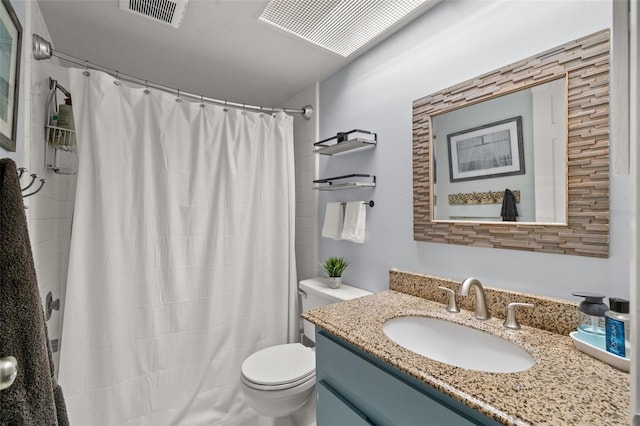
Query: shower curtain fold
181, 258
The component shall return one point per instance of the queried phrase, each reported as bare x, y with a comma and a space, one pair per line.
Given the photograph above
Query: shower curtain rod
42, 49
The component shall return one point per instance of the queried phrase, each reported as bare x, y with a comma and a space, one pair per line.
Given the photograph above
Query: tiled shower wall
305, 134
50, 212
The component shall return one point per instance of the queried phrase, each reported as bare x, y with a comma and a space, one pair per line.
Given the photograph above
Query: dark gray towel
509, 212
34, 397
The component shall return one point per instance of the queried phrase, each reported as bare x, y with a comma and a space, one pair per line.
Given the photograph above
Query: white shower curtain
182, 255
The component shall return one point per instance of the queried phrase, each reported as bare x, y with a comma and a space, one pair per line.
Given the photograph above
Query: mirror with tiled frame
585, 65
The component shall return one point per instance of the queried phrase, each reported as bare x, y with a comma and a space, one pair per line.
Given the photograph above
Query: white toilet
277, 381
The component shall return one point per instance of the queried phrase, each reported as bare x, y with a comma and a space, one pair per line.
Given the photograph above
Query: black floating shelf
344, 143
328, 180
332, 186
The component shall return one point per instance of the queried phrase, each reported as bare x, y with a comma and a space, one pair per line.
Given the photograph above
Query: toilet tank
317, 293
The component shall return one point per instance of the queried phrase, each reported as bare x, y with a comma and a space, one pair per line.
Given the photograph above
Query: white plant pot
335, 282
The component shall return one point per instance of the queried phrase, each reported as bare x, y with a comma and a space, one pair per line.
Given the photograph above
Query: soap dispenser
591, 321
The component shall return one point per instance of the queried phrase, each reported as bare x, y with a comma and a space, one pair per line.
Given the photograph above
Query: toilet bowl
278, 380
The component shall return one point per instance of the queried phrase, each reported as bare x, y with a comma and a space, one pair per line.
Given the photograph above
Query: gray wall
456, 41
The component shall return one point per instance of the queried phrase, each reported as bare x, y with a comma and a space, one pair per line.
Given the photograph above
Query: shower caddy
57, 138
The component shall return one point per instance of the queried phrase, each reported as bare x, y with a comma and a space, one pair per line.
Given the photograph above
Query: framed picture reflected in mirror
487, 151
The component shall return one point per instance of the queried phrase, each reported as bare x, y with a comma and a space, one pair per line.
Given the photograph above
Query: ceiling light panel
341, 26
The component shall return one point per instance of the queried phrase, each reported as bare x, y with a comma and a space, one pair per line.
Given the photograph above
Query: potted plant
334, 267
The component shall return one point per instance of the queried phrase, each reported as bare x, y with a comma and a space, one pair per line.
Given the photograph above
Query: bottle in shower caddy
617, 327
54, 133
591, 319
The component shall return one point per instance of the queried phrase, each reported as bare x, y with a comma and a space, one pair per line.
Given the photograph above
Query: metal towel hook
33, 179
42, 182
34, 176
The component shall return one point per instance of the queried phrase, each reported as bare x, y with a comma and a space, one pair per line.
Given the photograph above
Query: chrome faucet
512, 321
482, 312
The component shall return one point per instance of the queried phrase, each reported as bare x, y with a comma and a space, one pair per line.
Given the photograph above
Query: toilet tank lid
321, 286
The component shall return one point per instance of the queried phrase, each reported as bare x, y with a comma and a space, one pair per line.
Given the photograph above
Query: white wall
454, 42
51, 210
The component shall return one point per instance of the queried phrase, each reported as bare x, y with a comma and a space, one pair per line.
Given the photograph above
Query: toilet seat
279, 367
302, 384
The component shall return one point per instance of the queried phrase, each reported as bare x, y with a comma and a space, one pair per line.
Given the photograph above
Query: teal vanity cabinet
355, 388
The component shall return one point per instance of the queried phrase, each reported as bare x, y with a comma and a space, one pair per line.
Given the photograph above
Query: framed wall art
491, 150
10, 45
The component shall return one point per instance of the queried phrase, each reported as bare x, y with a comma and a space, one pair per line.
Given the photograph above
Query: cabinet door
335, 410
383, 398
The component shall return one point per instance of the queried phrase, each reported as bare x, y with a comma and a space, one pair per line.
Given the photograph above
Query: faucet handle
452, 300
511, 321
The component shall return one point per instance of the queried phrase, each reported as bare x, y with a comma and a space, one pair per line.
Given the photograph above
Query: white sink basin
457, 345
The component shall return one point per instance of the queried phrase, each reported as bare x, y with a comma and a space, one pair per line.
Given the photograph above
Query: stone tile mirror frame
585, 63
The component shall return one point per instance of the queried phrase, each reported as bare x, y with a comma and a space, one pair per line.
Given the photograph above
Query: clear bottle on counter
617, 322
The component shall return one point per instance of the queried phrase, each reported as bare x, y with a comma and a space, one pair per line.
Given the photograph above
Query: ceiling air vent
166, 11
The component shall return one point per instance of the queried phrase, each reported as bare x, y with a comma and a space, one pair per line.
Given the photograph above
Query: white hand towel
333, 220
354, 221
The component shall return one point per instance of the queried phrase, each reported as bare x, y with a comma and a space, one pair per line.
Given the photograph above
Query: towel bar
370, 203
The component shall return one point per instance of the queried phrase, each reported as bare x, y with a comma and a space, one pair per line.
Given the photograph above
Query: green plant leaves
335, 266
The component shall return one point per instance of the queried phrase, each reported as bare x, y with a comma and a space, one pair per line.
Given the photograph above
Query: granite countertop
565, 386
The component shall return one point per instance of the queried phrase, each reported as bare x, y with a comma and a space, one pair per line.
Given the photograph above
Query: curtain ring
201, 101
244, 111
225, 109
178, 98
146, 87
86, 72
116, 81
